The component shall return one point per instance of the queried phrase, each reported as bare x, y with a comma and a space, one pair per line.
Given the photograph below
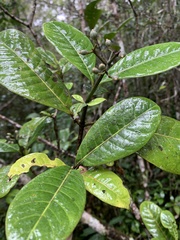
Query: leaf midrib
48, 205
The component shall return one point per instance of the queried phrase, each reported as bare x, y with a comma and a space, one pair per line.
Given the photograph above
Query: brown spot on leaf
103, 191
23, 165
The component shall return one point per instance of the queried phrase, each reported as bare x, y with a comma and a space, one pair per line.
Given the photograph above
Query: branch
101, 229
17, 125
26, 24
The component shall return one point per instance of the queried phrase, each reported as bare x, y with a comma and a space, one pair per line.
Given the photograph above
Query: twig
84, 111
54, 117
136, 20
32, 13
8, 103
17, 125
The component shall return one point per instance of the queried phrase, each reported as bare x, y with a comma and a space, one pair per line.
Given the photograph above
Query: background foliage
131, 25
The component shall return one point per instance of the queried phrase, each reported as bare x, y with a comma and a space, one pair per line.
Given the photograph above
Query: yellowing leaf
107, 186
23, 164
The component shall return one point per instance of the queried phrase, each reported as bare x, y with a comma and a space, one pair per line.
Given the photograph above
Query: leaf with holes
8, 147
48, 207
69, 42
23, 71
107, 186
163, 150
5, 183
23, 164
146, 61
120, 131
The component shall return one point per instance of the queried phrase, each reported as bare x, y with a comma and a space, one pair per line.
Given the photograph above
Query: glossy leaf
150, 214
168, 221
107, 186
23, 71
30, 131
120, 131
96, 101
163, 150
92, 14
5, 183
23, 164
146, 61
69, 41
48, 207
48, 57
8, 147
78, 98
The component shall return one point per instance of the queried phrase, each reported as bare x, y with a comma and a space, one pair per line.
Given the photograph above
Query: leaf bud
95, 70
84, 52
102, 66
108, 42
93, 34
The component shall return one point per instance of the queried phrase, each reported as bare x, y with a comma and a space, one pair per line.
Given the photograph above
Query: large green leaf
48, 207
168, 221
120, 131
107, 186
8, 147
150, 214
163, 150
23, 164
23, 71
30, 131
146, 61
69, 41
5, 183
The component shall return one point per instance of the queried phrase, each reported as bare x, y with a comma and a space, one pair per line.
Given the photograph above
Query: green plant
51, 205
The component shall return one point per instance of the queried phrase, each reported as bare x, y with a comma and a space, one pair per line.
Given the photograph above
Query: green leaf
23, 71
163, 150
168, 221
76, 108
92, 14
150, 214
122, 130
30, 131
96, 101
146, 61
5, 183
48, 207
48, 57
8, 147
107, 186
23, 164
69, 41
78, 98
